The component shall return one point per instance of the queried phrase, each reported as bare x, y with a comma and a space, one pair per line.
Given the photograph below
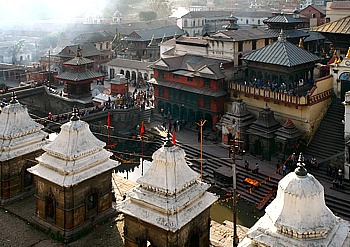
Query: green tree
147, 15
161, 7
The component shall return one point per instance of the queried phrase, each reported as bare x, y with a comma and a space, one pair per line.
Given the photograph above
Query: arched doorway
176, 112
345, 84
257, 147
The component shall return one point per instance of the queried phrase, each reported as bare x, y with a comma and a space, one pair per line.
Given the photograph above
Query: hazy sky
48, 9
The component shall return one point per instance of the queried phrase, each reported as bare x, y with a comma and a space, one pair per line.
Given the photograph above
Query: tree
161, 7
147, 15
15, 49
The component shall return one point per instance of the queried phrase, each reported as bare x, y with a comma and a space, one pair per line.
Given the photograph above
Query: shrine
242, 117
78, 75
262, 134
21, 140
73, 180
170, 206
298, 216
287, 139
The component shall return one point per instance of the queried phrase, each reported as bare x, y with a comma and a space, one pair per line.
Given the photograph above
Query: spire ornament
300, 170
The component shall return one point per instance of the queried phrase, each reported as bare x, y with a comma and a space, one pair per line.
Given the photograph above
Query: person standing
278, 166
246, 165
284, 170
257, 168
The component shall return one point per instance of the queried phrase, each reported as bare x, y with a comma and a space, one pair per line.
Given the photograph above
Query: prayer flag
142, 130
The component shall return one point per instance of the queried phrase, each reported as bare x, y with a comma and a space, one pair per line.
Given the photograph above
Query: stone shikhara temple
170, 206
298, 216
21, 141
73, 179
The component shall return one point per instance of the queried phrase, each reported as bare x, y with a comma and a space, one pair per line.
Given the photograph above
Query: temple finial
300, 170
75, 115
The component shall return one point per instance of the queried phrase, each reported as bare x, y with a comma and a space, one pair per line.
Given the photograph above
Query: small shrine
78, 75
298, 216
262, 134
287, 138
243, 119
73, 179
170, 206
22, 140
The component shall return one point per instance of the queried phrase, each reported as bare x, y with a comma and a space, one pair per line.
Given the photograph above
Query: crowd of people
291, 88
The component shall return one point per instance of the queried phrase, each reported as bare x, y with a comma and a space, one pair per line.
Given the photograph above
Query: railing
280, 97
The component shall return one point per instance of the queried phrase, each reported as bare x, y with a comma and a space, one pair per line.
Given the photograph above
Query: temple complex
21, 142
170, 206
298, 216
73, 180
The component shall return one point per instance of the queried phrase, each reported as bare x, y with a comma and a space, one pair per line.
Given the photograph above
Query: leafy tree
161, 7
147, 15
49, 40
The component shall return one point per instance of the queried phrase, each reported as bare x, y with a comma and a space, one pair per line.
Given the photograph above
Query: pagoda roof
282, 53
289, 33
76, 76
19, 133
78, 61
169, 195
74, 156
282, 18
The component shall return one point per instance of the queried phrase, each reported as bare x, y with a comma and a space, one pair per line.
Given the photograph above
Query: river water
222, 210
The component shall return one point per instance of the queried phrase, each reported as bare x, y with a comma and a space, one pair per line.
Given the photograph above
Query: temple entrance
194, 240
257, 147
50, 207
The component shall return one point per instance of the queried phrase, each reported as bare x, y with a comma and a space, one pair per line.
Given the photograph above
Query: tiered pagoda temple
74, 181
78, 75
289, 24
21, 142
170, 206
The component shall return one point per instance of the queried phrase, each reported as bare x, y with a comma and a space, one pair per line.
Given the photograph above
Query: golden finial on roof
348, 54
301, 44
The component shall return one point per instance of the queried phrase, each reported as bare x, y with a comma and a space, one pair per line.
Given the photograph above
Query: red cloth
173, 139
142, 130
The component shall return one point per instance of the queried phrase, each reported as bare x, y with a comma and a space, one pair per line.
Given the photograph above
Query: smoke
31, 10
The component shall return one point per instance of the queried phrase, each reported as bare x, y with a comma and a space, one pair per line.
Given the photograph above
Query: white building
298, 216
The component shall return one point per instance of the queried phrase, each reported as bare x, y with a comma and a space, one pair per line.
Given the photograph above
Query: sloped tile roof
79, 61
94, 37
193, 64
87, 50
243, 34
341, 26
282, 19
290, 33
207, 14
147, 34
340, 5
282, 53
128, 63
73, 75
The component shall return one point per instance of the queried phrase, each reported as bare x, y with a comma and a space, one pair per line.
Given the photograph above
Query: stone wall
12, 174
138, 232
71, 203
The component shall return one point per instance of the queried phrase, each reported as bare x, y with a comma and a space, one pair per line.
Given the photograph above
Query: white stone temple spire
298, 216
